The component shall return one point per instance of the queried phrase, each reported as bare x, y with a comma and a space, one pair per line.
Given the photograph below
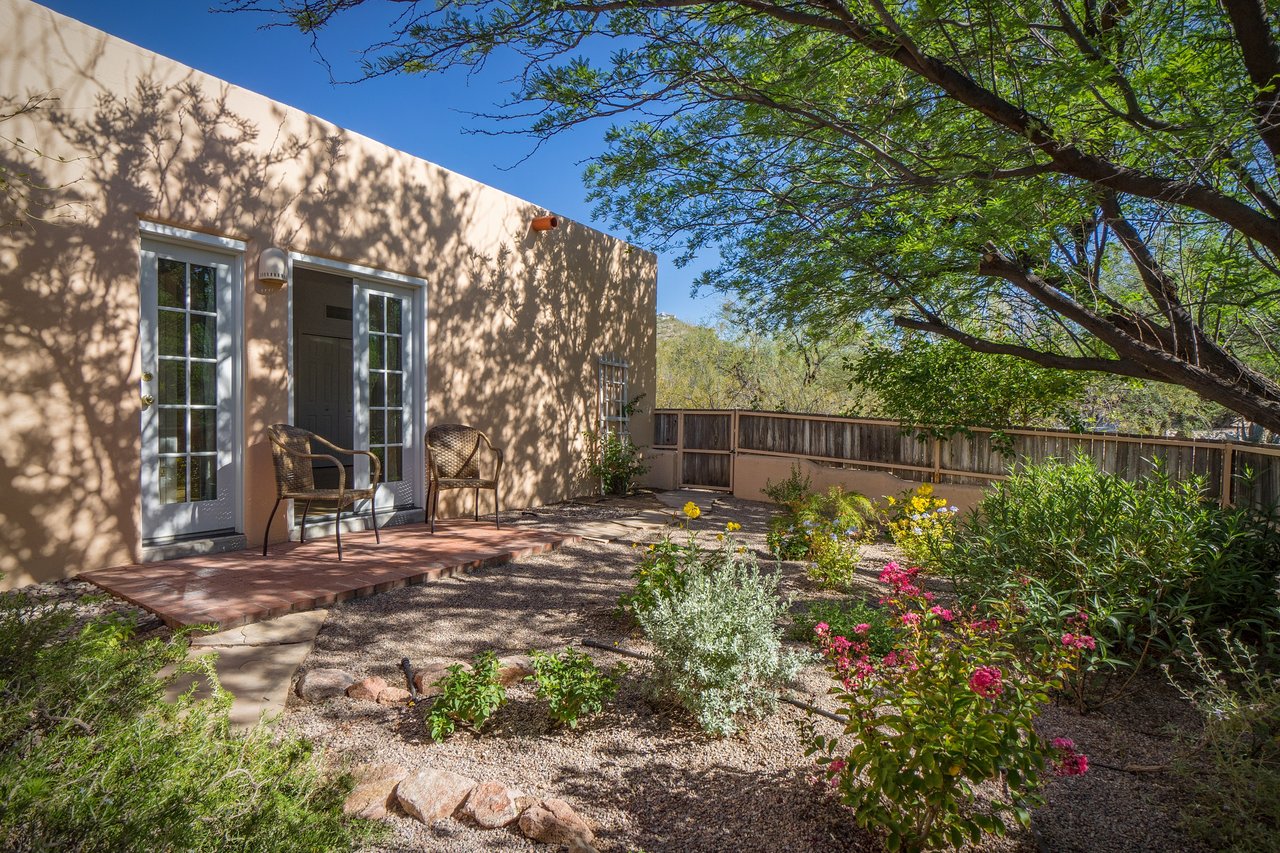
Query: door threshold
193, 546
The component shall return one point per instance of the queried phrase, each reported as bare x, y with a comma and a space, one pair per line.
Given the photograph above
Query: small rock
581, 845
368, 689
428, 675
375, 791
393, 696
431, 794
554, 822
493, 804
316, 685
513, 668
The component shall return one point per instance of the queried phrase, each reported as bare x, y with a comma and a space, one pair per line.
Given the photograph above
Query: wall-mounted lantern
273, 267
545, 223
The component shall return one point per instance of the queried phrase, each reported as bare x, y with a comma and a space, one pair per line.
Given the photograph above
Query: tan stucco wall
516, 318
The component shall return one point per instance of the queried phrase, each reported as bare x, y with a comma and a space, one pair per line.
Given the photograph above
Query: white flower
955, 508
917, 531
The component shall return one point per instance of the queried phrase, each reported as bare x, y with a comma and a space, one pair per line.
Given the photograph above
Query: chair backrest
293, 474
454, 448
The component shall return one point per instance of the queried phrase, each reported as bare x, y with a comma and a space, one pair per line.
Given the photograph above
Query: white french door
188, 342
386, 362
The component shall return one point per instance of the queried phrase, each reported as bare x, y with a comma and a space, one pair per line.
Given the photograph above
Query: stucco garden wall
516, 318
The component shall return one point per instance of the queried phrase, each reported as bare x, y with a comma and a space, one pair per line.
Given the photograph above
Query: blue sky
426, 116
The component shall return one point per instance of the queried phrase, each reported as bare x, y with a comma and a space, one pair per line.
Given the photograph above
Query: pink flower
942, 613
1070, 762
837, 765
984, 626
986, 681
861, 628
1063, 743
1079, 641
821, 629
929, 597
910, 619
890, 659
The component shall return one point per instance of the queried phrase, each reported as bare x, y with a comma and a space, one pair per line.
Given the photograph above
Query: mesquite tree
1086, 184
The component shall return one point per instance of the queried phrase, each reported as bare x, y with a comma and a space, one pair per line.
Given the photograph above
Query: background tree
1088, 185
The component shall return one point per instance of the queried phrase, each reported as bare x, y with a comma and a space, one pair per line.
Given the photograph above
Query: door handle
147, 400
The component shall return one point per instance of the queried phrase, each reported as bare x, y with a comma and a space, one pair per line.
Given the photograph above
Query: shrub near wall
1141, 557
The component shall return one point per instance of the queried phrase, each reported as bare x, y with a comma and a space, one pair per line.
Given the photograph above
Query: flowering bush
950, 708
665, 566
717, 647
828, 529
920, 523
845, 618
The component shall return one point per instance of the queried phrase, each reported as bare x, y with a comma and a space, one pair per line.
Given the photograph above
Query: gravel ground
641, 773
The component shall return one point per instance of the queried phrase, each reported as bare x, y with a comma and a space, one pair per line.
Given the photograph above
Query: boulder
428, 675
513, 668
493, 804
375, 792
367, 689
554, 822
431, 794
316, 685
393, 696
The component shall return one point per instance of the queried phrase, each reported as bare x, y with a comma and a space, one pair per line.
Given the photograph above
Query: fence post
733, 451
680, 449
1228, 474
937, 460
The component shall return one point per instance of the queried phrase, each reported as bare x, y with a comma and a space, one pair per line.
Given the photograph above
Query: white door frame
417, 375
232, 252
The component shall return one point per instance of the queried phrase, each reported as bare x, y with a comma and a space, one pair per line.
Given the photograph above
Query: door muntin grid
187, 381
387, 381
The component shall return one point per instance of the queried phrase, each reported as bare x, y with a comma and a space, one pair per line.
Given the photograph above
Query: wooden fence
707, 442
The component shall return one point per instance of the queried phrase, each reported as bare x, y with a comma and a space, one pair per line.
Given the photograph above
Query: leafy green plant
951, 707
614, 461
844, 618
717, 647
790, 492
468, 697
1141, 557
93, 757
827, 528
1234, 765
572, 684
786, 538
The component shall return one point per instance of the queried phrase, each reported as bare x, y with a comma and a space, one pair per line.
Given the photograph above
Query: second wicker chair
454, 456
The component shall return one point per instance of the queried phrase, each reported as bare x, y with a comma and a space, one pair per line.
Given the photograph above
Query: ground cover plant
572, 684
93, 757
1140, 558
468, 697
949, 708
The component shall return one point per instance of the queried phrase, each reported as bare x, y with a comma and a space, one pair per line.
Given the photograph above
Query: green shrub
1233, 766
843, 617
921, 524
572, 684
662, 571
951, 708
826, 528
92, 756
468, 697
786, 538
717, 645
1140, 557
789, 493
613, 460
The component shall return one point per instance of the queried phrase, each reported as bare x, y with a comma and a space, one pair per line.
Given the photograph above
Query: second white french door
387, 358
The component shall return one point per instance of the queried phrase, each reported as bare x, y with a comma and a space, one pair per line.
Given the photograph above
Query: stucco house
145, 351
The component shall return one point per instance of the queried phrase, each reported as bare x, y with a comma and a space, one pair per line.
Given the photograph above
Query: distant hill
670, 326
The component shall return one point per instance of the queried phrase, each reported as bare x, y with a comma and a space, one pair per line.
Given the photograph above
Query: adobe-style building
207, 262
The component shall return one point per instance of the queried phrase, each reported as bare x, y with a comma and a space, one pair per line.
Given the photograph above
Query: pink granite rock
431, 794
375, 792
493, 804
555, 822
367, 689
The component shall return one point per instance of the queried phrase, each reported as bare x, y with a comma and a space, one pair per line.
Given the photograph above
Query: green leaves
468, 697
572, 684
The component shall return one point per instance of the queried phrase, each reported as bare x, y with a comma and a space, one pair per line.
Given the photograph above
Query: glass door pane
385, 331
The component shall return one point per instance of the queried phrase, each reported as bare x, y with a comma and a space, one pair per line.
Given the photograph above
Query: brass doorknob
147, 400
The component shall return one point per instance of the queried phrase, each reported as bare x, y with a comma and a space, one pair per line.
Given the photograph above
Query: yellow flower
691, 510
892, 500
719, 537
925, 489
732, 526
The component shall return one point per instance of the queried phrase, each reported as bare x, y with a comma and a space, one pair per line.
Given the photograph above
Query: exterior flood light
545, 223
273, 267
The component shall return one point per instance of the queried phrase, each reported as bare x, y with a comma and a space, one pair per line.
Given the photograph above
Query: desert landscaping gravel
641, 773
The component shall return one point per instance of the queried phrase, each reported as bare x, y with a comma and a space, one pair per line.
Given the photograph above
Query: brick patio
234, 589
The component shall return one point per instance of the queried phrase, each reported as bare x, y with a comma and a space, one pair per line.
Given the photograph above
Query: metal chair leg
266, 534
497, 519
477, 504
373, 511
306, 506
338, 525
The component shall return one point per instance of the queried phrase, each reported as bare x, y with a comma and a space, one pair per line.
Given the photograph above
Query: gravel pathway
640, 772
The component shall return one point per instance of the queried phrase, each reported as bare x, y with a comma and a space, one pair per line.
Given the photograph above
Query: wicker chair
291, 453
453, 462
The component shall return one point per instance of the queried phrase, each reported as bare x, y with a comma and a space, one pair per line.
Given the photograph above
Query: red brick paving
240, 587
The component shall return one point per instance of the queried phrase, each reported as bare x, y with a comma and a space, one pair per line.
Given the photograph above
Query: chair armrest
498, 454
342, 471
376, 463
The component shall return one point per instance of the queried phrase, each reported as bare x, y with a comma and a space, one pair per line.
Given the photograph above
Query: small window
615, 413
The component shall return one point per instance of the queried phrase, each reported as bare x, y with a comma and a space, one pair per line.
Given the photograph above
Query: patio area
233, 589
